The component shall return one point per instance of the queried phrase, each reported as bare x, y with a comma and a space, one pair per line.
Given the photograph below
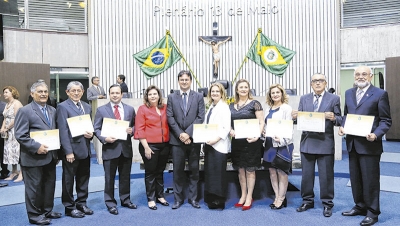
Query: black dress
244, 154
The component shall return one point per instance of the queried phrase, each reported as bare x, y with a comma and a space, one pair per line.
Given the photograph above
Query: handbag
282, 162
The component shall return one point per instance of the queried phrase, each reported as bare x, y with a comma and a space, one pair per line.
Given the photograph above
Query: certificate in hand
358, 125
311, 121
114, 128
281, 128
50, 138
204, 132
246, 128
78, 125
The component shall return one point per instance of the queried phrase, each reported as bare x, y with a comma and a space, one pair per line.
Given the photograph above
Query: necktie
98, 90
80, 108
116, 112
316, 102
359, 95
45, 115
209, 114
185, 102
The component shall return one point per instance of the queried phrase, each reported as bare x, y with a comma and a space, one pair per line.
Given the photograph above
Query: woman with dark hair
277, 100
11, 145
246, 155
216, 149
151, 129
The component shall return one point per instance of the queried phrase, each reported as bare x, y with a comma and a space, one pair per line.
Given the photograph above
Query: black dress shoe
176, 205
53, 215
354, 212
327, 211
3, 185
368, 221
153, 207
113, 210
85, 209
130, 205
75, 214
305, 207
194, 204
42, 220
216, 205
3, 176
162, 203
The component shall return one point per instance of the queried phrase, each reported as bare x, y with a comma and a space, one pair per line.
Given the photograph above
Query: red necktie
116, 112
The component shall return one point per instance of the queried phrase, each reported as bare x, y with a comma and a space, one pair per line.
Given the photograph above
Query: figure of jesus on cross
216, 54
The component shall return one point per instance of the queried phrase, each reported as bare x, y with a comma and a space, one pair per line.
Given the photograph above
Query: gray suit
319, 148
39, 171
92, 93
179, 122
78, 170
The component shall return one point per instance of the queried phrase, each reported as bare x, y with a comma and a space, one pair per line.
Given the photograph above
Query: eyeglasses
365, 74
42, 91
318, 81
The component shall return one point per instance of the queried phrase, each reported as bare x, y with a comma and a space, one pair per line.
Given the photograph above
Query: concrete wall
54, 48
369, 44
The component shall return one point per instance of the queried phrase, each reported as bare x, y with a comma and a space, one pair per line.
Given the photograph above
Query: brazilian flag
158, 57
270, 55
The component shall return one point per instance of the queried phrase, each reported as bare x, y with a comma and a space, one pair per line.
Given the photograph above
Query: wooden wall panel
392, 87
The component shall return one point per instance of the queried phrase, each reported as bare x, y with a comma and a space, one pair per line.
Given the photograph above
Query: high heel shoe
244, 208
284, 204
19, 179
271, 205
238, 205
162, 203
12, 176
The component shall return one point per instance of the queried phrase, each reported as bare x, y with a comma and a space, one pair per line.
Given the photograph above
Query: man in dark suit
76, 153
319, 147
37, 162
4, 167
185, 108
121, 82
365, 152
95, 91
117, 154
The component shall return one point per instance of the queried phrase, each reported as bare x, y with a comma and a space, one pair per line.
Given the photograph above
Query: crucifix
215, 41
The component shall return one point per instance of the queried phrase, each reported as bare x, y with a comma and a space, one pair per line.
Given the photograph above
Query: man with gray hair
75, 153
37, 162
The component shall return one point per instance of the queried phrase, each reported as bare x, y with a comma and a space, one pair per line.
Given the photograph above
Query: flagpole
245, 58
176, 46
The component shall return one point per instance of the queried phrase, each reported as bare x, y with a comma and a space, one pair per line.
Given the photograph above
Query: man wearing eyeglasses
365, 151
319, 148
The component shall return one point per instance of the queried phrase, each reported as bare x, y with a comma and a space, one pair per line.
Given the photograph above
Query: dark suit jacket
124, 87
92, 93
2, 106
320, 143
30, 119
375, 102
177, 121
114, 150
79, 145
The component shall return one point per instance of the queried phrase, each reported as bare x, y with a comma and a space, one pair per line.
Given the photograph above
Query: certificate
311, 121
204, 132
50, 138
279, 128
245, 128
358, 125
114, 128
78, 125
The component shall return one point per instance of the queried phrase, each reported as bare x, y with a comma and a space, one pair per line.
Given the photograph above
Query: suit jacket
375, 102
2, 106
79, 146
92, 93
114, 150
178, 121
320, 143
124, 87
221, 115
30, 119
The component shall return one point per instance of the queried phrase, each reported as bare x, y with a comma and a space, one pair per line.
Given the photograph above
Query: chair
253, 92
204, 91
291, 92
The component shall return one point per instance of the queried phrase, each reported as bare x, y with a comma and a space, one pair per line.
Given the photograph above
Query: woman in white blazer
216, 149
278, 108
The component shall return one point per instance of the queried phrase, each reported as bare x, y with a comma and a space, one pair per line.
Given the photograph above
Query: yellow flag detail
157, 58
271, 55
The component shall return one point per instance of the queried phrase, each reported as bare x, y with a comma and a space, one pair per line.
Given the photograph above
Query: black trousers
154, 169
4, 167
124, 166
179, 154
77, 172
326, 178
40, 183
365, 182
215, 179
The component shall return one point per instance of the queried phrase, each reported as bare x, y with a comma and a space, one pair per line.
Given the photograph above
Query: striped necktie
45, 115
80, 108
316, 102
359, 95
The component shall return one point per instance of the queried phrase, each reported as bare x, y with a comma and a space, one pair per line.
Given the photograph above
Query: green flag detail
270, 55
158, 57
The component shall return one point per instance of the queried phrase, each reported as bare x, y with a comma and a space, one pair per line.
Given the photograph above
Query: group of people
164, 128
